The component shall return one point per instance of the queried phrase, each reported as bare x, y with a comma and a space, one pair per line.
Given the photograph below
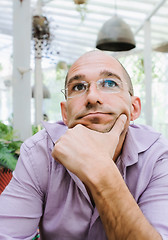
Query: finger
119, 125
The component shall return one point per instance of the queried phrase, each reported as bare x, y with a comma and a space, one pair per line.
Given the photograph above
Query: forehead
93, 64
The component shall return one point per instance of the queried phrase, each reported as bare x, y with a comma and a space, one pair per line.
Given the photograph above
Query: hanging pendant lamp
115, 35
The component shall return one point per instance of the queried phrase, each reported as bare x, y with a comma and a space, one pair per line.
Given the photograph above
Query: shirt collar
55, 130
138, 139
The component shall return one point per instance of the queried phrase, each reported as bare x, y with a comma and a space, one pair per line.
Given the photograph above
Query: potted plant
9, 153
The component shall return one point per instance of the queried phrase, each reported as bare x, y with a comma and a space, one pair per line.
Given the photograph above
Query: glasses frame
87, 84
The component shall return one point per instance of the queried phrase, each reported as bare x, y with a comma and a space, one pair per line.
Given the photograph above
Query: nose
93, 95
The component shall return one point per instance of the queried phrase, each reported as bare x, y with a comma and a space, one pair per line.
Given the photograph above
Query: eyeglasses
78, 88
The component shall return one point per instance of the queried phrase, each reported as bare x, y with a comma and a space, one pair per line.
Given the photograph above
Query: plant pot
80, 1
5, 177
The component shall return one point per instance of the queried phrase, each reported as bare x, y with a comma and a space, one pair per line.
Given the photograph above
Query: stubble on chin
95, 124
102, 128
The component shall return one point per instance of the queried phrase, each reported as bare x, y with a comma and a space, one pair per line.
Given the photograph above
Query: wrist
107, 180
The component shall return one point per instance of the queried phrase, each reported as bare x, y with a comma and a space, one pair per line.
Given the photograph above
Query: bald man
92, 175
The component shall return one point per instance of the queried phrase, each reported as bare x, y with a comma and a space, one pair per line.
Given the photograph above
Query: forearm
120, 214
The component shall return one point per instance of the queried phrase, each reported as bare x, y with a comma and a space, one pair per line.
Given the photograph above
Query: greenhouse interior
83, 176
40, 40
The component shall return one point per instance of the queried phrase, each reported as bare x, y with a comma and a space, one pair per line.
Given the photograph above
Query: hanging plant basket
41, 28
81, 7
80, 1
40, 34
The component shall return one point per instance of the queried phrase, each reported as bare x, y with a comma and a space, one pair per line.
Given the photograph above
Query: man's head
126, 75
99, 106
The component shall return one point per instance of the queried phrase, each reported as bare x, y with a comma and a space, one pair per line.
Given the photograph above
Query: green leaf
7, 159
8, 147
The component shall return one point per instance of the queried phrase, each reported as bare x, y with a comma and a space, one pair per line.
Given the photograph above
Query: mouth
98, 121
94, 115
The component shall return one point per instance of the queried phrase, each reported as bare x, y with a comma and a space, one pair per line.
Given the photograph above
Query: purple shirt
42, 192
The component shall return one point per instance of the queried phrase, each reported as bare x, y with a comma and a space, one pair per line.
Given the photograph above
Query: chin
95, 124
99, 128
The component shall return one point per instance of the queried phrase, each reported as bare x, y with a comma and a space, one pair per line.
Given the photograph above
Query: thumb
119, 125
115, 133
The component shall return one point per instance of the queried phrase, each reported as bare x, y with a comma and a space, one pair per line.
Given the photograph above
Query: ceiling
72, 34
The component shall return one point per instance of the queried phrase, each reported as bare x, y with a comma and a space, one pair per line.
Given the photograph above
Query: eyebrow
76, 77
104, 73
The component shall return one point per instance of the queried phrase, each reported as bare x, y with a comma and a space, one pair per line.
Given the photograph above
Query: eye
109, 83
78, 87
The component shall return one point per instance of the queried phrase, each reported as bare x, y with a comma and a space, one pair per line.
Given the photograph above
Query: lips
95, 118
94, 115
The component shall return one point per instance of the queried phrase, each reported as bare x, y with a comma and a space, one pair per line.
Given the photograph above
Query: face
96, 109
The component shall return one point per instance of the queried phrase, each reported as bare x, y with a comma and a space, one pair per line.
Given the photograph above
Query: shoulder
143, 145
145, 153
49, 135
149, 148
35, 154
145, 137
38, 147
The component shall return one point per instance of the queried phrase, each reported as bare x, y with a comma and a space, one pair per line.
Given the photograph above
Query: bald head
98, 54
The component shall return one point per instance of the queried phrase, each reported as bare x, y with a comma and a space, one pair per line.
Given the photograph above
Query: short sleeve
21, 203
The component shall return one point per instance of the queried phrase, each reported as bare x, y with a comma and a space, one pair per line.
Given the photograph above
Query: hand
88, 153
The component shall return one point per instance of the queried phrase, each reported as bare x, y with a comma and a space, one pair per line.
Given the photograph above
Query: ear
136, 108
64, 112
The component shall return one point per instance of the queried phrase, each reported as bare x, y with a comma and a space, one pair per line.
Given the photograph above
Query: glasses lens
76, 88
109, 85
